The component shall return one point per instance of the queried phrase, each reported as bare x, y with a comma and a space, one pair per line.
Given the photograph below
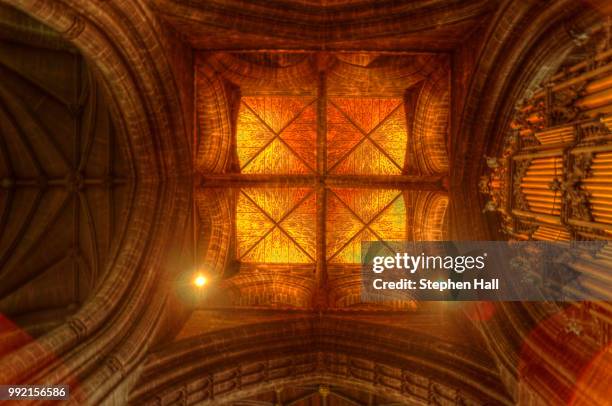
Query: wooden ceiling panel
313, 135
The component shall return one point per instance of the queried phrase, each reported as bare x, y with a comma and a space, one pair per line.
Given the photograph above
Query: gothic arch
524, 57
271, 288
67, 182
220, 79
214, 211
431, 124
206, 368
516, 54
121, 41
427, 220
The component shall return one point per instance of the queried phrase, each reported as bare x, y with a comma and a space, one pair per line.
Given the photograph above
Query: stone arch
121, 43
347, 292
206, 368
214, 211
523, 45
271, 288
505, 67
430, 210
221, 78
431, 124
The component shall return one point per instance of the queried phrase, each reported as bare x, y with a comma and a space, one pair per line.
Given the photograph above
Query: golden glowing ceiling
366, 136
277, 135
301, 161
276, 225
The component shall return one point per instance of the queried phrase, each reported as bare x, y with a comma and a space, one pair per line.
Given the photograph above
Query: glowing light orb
200, 280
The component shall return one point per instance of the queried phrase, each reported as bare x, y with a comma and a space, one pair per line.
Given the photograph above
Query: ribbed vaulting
185, 187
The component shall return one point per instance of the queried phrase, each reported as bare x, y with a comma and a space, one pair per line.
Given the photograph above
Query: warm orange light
278, 136
200, 280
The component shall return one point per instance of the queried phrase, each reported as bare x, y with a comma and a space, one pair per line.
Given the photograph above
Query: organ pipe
555, 176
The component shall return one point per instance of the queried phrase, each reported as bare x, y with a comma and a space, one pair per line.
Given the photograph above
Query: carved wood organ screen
553, 180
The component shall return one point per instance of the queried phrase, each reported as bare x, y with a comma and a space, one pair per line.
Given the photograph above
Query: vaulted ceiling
334, 25
65, 181
255, 142
307, 155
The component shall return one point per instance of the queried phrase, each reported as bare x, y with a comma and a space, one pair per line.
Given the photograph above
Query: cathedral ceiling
81, 191
324, 25
65, 180
406, 365
302, 156
316, 125
306, 394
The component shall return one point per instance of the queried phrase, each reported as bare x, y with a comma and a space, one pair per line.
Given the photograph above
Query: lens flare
200, 281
